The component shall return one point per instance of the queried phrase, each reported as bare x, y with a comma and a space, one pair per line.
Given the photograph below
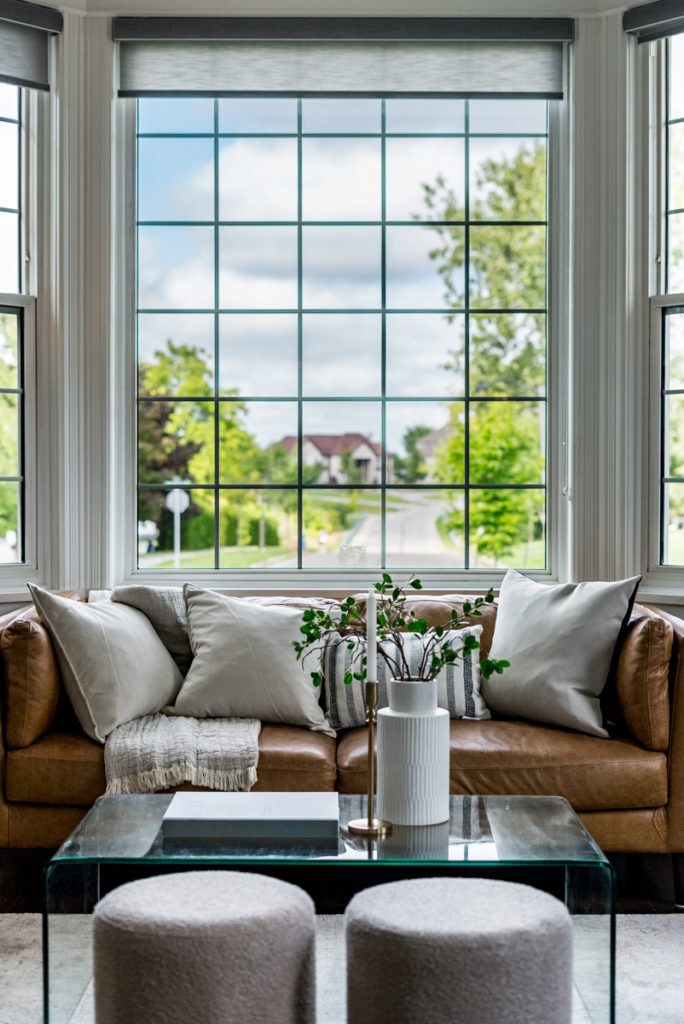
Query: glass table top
487, 830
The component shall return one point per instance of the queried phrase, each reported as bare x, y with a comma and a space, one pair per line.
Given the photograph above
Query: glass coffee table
536, 840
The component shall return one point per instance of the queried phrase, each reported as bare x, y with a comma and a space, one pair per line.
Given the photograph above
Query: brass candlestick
371, 826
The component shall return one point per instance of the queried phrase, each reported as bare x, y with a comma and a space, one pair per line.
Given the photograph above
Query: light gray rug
650, 981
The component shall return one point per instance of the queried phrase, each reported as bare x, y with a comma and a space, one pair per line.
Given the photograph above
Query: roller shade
654, 21
24, 33
388, 57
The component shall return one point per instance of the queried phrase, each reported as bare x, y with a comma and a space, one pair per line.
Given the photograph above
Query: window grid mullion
217, 383
466, 354
300, 346
383, 338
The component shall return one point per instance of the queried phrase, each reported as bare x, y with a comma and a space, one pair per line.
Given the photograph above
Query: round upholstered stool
205, 947
472, 950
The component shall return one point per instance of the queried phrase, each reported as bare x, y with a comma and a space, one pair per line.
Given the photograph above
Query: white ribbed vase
413, 755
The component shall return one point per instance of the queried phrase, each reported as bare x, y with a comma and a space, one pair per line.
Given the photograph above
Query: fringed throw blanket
157, 751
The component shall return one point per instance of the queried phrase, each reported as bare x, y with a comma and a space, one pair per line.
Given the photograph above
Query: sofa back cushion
641, 685
32, 684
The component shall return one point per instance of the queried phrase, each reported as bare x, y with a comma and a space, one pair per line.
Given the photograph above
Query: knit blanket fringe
156, 752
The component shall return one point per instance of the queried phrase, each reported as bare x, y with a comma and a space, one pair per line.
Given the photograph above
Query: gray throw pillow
244, 664
165, 608
559, 640
459, 684
114, 666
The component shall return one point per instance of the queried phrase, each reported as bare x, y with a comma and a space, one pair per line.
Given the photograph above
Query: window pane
675, 261
341, 115
674, 435
341, 442
674, 351
341, 355
257, 115
426, 442
341, 528
175, 442
507, 267
176, 529
425, 529
10, 524
258, 268
9, 353
258, 442
175, 115
425, 179
507, 116
9, 434
9, 101
9, 252
424, 116
341, 179
507, 443
507, 528
270, 339
175, 268
258, 179
176, 179
675, 171
673, 533
508, 179
676, 66
425, 354
425, 267
258, 529
9, 165
507, 354
176, 354
341, 267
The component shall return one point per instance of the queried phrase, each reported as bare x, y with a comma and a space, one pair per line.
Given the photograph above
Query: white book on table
266, 816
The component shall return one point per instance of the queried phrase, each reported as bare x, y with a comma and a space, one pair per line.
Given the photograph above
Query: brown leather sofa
628, 790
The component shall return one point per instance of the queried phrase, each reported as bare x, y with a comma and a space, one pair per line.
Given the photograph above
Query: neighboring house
343, 458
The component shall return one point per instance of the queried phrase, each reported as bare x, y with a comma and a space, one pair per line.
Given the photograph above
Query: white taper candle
371, 638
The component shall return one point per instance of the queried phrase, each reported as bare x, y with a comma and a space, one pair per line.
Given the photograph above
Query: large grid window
341, 330
11, 324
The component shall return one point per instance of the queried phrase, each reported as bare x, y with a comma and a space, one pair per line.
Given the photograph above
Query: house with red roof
336, 454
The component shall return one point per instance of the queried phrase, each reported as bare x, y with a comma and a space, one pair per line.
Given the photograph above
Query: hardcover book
252, 816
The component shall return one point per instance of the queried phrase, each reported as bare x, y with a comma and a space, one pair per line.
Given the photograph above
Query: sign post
177, 502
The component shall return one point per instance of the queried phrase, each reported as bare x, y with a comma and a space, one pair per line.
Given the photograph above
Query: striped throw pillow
458, 683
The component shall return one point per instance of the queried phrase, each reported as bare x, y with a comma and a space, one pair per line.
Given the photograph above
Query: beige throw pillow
113, 664
559, 640
244, 664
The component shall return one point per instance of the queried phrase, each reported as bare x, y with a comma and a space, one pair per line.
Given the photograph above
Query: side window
11, 331
668, 314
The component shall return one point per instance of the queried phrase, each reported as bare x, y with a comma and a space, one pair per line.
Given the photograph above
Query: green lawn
231, 558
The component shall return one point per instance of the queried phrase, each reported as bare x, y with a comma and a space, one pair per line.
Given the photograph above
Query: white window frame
123, 540
15, 575
665, 582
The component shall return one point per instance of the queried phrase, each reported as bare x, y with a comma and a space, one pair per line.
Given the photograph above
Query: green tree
507, 271
411, 468
9, 423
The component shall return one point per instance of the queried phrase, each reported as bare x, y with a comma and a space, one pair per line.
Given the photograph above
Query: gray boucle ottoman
472, 950
204, 947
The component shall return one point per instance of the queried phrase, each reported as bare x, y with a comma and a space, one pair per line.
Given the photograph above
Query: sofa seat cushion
68, 768
59, 768
502, 757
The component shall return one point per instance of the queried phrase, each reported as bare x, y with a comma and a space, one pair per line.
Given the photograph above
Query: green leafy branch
321, 627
